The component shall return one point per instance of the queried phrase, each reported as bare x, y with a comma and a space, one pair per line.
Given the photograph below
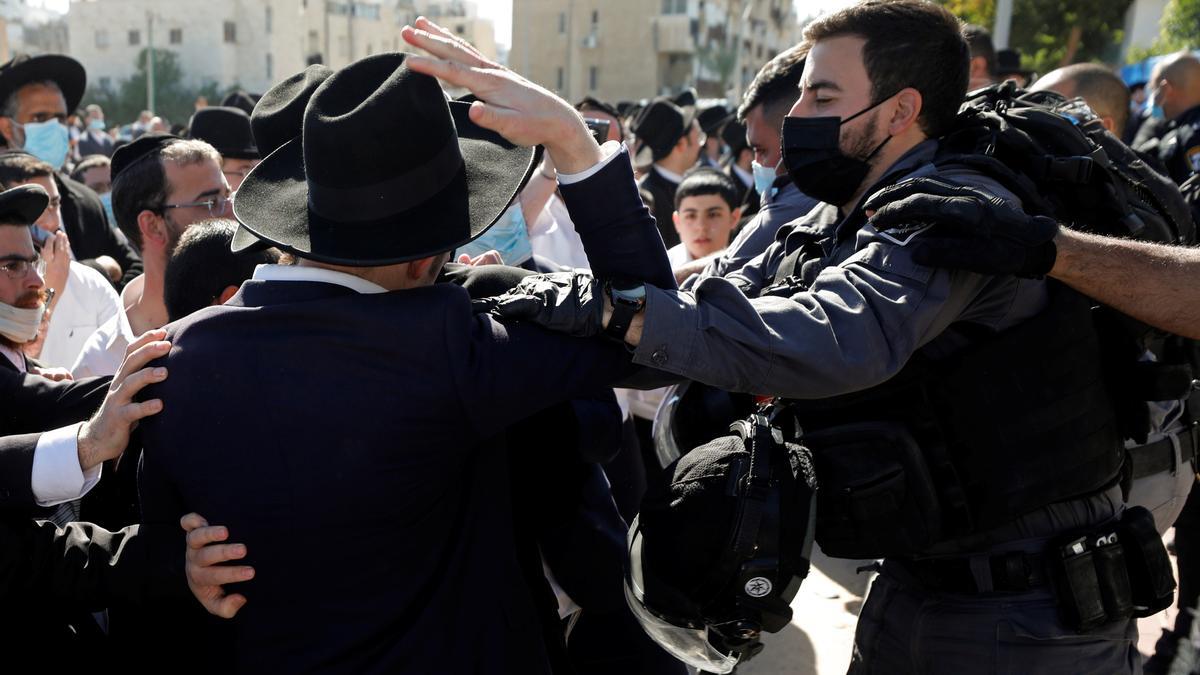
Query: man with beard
161, 185
818, 316
36, 93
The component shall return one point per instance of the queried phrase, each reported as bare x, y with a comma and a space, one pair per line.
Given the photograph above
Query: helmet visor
689, 645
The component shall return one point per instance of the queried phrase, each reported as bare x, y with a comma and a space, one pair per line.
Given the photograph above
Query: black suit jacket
95, 144
663, 192
337, 431
90, 233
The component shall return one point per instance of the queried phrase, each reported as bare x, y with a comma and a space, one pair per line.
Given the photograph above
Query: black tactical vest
1013, 422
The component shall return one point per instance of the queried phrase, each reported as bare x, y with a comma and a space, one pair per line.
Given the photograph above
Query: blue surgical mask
48, 141
764, 178
509, 237
97, 125
106, 200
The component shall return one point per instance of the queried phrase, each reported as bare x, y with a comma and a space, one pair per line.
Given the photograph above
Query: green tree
173, 99
1054, 33
1180, 29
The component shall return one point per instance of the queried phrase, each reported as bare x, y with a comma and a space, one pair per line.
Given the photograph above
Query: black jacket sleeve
35, 404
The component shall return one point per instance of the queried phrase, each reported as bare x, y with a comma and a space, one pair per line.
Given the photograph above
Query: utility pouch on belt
1151, 582
1076, 586
876, 497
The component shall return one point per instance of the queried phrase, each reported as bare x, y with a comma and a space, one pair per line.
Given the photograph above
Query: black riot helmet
721, 545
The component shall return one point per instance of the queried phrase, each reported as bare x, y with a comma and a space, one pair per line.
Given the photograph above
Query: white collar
746, 177
668, 174
318, 274
14, 357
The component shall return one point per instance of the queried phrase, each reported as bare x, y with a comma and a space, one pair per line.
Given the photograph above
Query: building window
595, 18
459, 29
562, 22
175, 36
561, 79
269, 19
230, 32
270, 68
102, 39
593, 77
135, 38
674, 6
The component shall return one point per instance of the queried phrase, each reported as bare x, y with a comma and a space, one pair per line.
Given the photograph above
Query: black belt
1159, 456
1001, 572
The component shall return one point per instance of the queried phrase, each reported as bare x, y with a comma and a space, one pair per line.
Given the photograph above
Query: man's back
344, 437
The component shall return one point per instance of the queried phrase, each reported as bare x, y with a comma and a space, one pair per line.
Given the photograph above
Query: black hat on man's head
240, 99
658, 127
385, 171
279, 114
685, 98
278, 118
62, 70
226, 129
23, 204
734, 135
1008, 62
712, 118
133, 152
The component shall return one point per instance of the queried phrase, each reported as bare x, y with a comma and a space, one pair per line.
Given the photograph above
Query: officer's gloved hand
973, 230
566, 302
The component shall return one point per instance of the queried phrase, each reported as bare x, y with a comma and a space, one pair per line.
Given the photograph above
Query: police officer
1175, 96
814, 319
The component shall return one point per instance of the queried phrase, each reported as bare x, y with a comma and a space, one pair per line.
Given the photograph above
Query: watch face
632, 294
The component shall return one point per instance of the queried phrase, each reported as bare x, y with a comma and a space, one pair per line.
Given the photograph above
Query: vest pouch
1112, 575
1151, 581
1076, 586
875, 496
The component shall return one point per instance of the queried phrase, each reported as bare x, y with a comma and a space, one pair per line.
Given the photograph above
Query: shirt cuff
609, 150
57, 476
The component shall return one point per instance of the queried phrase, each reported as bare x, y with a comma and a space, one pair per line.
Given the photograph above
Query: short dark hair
777, 84
142, 186
202, 266
979, 41
17, 168
908, 43
1104, 91
88, 163
706, 181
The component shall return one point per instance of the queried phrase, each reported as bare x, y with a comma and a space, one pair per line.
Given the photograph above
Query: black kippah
131, 152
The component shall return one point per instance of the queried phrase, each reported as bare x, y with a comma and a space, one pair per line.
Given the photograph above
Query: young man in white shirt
706, 213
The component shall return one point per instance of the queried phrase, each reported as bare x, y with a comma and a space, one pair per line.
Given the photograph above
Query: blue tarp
1139, 72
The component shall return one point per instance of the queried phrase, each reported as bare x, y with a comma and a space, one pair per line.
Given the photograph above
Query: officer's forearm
1153, 283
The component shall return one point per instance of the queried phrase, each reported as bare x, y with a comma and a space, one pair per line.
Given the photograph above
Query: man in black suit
93, 140
36, 93
398, 438
669, 140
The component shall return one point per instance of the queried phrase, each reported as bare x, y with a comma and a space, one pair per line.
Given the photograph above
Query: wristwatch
627, 298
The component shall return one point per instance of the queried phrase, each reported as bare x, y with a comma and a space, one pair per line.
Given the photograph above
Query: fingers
191, 522
441, 43
464, 259
145, 339
129, 387
214, 554
227, 606
138, 359
487, 258
518, 306
916, 209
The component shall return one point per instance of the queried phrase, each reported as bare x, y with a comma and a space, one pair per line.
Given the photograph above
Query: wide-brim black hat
225, 128
64, 71
712, 118
385, 171
23, 204
278, 117
658, 127
239, 99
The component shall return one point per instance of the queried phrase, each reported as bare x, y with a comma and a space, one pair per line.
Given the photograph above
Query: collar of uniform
318, 274
669, 175
920, 155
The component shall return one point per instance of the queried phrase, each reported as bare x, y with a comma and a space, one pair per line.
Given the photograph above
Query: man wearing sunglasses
161, 185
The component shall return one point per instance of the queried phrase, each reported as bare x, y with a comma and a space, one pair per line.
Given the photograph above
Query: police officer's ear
905, 109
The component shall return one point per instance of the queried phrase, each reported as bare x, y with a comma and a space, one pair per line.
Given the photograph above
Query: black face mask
813, 157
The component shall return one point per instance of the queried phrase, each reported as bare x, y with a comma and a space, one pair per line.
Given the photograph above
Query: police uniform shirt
1179, 149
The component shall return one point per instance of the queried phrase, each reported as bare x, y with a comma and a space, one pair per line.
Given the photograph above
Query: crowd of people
452, 379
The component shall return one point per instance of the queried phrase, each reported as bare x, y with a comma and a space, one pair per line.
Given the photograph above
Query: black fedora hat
385, 171
278, 118
685, 98
240, 99
658, 127
1008, 62
23, 204
712, 118
62, 70
226, 129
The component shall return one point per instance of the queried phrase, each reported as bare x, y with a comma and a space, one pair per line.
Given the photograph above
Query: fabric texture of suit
663, 192
389, 457
96, 143
90, 233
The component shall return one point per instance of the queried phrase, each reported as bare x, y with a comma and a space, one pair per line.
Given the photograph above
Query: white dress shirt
104, 349
86, 304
